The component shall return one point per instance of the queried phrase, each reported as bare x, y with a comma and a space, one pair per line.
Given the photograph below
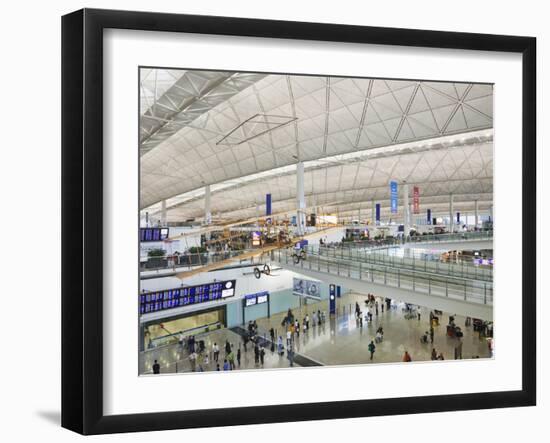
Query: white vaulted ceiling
243, 133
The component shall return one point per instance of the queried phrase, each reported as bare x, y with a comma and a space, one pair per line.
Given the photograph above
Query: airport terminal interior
291, 221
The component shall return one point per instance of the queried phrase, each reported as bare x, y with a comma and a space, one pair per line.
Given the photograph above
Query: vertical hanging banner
268, 207
393, 196
377, 213
416, 200
458, 217
428, 216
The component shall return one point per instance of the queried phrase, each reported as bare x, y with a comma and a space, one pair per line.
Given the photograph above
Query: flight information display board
256, 299
153, 234
191, 295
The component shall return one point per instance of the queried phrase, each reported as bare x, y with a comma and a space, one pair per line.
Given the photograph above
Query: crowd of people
376, 305
203, 359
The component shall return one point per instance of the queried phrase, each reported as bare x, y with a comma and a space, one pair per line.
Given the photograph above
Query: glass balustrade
437, 284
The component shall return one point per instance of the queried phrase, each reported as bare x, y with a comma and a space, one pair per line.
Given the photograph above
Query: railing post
414, 285
446, 288
429, 286
485, 293
398, 278
359, 270
465, 290
385, 275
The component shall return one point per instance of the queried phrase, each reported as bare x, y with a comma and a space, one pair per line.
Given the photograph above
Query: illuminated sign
191, 295
256, 299
153, 234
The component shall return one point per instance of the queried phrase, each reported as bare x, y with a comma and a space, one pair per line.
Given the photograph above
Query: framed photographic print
271, 221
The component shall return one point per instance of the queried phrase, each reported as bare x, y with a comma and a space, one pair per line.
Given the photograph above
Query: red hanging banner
416, 200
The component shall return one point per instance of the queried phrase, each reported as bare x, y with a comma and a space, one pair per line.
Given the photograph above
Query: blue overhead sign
377, 213
393, 196
268, 207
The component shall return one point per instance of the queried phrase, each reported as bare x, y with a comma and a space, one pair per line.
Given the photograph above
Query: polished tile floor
174, 358
339, 341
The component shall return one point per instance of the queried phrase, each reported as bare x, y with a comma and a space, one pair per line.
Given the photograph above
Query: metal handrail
437, 285
463, 270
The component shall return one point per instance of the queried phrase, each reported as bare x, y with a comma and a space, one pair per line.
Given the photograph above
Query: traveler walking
193, 361
372, 348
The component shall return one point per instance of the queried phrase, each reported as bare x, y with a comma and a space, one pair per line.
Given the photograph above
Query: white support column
207, 208
476, 212
451, 213
163, 213
406, 209
300, 199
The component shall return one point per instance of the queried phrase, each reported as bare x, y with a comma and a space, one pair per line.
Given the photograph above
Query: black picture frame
82, 218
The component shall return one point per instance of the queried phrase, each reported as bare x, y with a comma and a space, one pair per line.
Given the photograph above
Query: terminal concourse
292, 221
